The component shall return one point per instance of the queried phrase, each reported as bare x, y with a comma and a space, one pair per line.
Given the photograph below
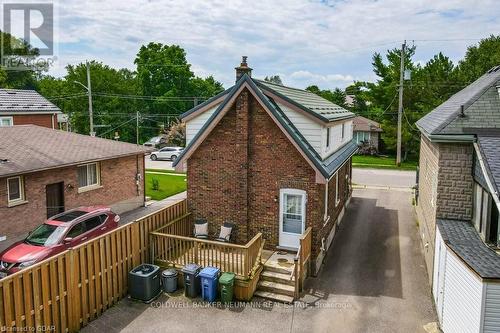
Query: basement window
88, 176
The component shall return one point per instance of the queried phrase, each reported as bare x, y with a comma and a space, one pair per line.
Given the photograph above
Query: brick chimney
243, 68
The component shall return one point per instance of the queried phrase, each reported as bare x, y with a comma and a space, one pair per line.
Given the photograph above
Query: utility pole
400, 106
137, 127
89, 92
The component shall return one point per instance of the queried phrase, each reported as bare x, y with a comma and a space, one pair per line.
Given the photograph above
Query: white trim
10, 118
98, 177
337, 197
291, 191
21, 198
486, 177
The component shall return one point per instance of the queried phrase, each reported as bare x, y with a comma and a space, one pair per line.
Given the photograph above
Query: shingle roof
308, 101
16, 100
462, 238
435, 121
28, 148
327, 167
490, 151
201, 105
363, 124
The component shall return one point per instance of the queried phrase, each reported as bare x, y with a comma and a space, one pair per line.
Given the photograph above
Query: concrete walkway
373, 280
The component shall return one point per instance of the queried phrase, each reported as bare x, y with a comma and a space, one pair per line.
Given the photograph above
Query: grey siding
492, 308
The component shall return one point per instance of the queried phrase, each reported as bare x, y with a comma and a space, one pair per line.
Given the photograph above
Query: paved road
373, 280
166, 165
383, 178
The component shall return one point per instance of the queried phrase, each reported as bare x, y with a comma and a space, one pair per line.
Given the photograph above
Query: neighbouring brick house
45, 171
458, 205
270, 159
23, 107
367, 131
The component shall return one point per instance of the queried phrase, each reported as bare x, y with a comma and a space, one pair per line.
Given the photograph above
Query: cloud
304, 39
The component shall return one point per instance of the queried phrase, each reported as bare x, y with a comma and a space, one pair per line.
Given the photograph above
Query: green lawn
168, 185
361, 161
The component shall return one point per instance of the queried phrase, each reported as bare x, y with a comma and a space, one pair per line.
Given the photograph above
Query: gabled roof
363, 124
463, 239
18, 101
325, 167
311, 103
436, 121
29, 148
204, 104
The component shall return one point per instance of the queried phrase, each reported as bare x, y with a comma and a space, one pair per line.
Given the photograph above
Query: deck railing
172, 245
302, 261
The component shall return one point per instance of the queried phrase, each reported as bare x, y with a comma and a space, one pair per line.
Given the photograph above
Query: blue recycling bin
209, 277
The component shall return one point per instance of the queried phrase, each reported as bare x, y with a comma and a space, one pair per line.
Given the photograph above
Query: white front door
292, 217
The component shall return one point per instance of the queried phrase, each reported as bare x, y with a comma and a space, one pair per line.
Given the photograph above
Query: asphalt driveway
373, 280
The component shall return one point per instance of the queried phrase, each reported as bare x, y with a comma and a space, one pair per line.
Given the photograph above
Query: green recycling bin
226, 283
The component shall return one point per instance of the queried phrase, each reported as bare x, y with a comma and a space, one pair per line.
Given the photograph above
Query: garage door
461, 294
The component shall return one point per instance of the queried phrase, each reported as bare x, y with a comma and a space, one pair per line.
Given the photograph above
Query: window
337, 197
343, 130
485, 215
6, 121
94, 222
327, 137
76, 231
15, 190
362, 137
88, 175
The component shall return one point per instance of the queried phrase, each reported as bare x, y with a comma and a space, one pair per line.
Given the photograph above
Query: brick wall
455, 184
118, 190
426, 207
44, 120
445, 189
237, 172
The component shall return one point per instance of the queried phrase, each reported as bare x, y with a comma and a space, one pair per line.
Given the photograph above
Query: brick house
270, 159
45, 171
458, 205
367, 130
23, 107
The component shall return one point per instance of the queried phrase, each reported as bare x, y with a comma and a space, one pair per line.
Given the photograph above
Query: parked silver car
167, 153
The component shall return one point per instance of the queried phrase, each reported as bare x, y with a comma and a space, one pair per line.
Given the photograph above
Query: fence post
72, 294
297, 277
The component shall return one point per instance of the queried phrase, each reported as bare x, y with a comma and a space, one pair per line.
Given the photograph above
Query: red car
59, 233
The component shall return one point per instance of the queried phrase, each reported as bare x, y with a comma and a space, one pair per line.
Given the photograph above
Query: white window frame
292, 191
21, 199
98, 176
337, 197
10, 119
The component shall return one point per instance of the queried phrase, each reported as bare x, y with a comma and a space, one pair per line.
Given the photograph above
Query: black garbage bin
191, 280
169, 280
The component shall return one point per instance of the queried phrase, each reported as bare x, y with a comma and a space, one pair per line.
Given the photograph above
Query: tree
276, 79
335, 96
22, 78
177, 134
479, 59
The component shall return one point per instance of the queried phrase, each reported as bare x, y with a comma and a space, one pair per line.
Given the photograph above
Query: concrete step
277, 277
277, 288
273, 296
273, 267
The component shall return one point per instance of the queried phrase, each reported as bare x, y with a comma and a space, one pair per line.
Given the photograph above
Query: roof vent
462, 113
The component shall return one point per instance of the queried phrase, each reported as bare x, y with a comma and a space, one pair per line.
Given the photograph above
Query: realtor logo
27, 23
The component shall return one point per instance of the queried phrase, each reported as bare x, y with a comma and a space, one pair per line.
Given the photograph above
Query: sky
327, 43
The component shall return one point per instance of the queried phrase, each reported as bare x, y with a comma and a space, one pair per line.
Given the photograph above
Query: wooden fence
65, 292
302, 262
173, 245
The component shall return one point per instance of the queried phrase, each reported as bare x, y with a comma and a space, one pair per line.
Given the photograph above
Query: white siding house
194, 124
464, 301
